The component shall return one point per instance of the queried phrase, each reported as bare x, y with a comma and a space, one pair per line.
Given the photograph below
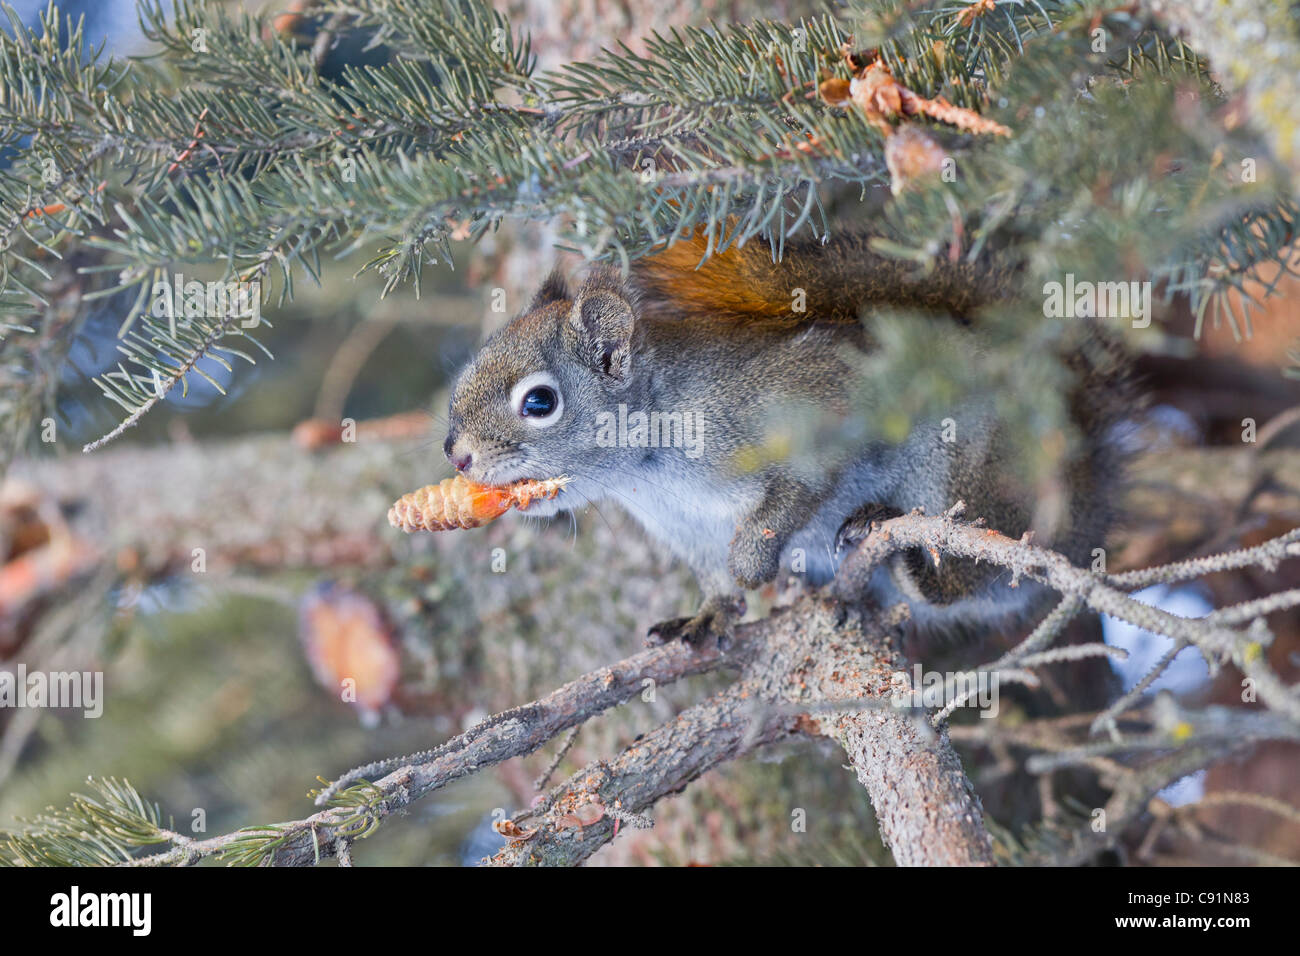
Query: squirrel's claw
689, 629
715, 620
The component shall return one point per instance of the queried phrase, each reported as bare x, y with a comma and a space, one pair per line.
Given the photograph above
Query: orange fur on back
741, 281
814, 281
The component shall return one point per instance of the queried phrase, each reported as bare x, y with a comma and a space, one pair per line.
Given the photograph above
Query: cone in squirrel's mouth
460, 503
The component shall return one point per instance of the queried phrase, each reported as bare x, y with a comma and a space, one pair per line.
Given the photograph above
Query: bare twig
551, 767
1216, 641
522, 730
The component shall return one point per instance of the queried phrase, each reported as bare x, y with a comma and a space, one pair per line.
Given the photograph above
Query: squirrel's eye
539, 402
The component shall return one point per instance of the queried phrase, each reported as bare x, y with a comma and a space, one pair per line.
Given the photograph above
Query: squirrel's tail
834, 281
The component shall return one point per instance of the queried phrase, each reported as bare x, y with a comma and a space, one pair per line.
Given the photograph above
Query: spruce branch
238, 149
101, 829
167, 353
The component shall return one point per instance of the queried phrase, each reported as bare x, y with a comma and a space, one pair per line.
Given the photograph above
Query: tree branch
815, 667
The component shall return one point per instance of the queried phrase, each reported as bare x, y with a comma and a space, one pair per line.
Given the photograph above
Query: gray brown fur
671, 341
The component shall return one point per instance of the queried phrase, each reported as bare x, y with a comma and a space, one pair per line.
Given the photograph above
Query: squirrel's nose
459, 462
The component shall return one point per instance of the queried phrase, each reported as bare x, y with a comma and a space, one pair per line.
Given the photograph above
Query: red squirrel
584, 383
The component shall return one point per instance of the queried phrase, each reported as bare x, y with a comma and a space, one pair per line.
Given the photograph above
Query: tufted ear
554, 289
602, 319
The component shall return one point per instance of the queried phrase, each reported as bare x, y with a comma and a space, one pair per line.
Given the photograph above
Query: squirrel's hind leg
857, 526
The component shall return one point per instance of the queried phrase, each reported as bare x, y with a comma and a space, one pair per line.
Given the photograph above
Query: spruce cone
460, 503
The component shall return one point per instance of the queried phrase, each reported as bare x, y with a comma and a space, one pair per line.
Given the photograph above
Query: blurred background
222, 679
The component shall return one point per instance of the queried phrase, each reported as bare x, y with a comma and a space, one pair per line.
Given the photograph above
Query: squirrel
717, 356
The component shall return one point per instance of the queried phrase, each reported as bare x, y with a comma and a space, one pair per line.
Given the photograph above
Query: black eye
539, 402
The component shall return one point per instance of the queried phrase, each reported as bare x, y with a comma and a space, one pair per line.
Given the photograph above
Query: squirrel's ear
603, 318
554, 289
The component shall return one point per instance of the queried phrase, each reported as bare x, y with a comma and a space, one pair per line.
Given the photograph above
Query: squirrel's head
526, 405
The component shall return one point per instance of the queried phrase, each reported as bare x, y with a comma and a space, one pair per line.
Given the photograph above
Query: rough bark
812, 668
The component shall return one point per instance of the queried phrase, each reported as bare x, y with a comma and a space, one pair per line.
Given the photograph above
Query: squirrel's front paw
715, 621
753, 560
